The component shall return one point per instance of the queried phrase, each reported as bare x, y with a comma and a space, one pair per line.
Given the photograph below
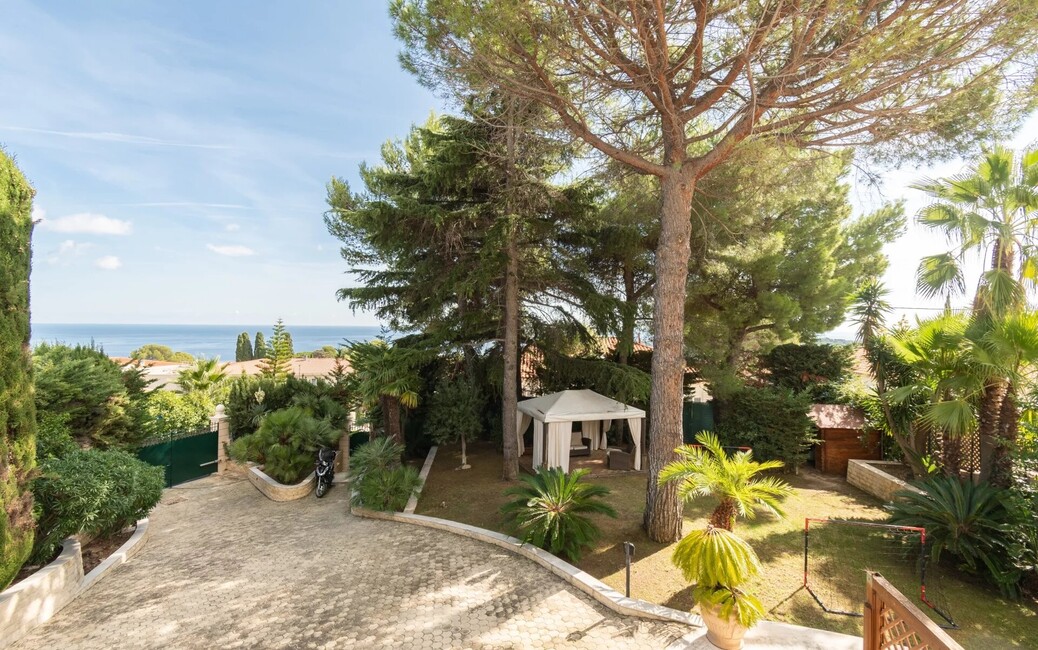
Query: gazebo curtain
522, 420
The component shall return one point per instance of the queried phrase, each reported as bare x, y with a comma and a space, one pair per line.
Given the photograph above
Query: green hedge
17, 410
772, 421
94, 492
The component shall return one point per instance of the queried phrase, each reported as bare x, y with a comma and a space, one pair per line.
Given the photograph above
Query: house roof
837, 416
300, 367
577, 405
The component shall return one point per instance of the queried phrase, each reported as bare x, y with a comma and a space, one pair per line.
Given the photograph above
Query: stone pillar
222, 426
342, 461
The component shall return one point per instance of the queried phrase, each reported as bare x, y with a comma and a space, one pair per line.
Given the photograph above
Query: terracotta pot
725, 633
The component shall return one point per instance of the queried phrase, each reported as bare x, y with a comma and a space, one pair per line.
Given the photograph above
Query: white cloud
108, 263
38, 213
109, 136
232, 227
88, 223
67, 250
231, 251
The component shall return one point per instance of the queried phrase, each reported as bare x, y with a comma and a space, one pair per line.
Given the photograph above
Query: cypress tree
243, 350
17, 410
259, 349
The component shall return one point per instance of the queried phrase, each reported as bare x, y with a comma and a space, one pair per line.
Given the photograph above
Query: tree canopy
673, 90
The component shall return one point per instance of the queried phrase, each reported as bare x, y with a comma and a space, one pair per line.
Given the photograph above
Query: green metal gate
186, 456
697, 416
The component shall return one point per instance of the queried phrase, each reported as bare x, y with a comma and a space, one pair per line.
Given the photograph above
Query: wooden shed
842, 431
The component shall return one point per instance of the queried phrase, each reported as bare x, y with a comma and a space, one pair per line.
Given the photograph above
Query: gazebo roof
577, 405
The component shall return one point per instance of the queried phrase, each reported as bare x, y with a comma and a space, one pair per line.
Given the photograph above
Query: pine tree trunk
625, 345
509, 399
662, 507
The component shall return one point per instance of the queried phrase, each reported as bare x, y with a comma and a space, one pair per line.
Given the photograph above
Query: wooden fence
892, 622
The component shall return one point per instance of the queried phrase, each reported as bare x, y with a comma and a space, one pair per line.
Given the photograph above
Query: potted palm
719, 563
716, 560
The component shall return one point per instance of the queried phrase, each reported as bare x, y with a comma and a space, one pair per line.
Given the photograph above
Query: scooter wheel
322, 489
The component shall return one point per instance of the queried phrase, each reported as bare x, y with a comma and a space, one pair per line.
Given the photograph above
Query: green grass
986, 620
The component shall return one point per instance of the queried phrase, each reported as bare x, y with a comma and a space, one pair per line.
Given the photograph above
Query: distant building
304, 368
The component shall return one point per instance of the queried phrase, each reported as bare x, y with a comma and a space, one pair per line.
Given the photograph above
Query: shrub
550, 509
172, 412
772, 421
378, 479
92, 492
53, 436
285, 444
455, 413
84, 383
17, 415
966, 520
250, 398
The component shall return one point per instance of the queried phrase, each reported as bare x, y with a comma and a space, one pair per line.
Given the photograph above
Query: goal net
837, 555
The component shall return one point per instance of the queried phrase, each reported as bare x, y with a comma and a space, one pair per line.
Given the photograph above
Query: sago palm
735, 480
719, 563
550, 509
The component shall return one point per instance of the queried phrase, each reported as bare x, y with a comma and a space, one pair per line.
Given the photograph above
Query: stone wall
868, 475
38, 598
278, 492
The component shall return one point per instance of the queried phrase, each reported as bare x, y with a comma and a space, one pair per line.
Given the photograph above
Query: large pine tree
17, 410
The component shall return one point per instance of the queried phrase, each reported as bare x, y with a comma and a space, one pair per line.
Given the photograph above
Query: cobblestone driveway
226, 568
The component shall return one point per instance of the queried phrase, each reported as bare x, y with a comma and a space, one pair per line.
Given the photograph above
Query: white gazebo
553, 417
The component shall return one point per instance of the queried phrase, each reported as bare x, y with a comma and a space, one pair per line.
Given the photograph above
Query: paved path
227, 568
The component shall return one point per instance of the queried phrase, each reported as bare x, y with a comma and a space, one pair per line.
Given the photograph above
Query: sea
210, 341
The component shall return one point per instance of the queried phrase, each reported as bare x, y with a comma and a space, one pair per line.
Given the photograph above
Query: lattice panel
896, 633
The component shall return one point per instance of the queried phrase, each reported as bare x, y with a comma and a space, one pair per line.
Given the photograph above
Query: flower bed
278, 491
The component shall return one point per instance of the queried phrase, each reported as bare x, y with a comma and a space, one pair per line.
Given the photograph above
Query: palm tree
550, 508
945, 383
992, 210
1009, 350
205, 376
706, 470
387, 376
869, 309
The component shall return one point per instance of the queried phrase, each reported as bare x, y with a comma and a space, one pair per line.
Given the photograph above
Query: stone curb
35, 600
279, 491
129, 548
571, 574
412, 503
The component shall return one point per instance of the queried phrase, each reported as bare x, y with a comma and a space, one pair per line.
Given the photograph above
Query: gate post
222, 426
342, 461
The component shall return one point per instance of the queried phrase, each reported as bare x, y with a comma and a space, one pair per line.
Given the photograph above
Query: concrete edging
412, 503
129, 548
279, 491
583, 581
35, 600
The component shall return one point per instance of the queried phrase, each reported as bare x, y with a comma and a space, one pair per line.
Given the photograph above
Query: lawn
474, 497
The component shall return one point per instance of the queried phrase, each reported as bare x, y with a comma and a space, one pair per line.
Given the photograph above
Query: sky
180, 153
